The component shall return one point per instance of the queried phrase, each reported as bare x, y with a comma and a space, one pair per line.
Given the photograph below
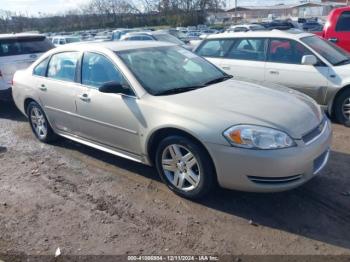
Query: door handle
274, 72
333, 39
226, 68
85, 98
43, 87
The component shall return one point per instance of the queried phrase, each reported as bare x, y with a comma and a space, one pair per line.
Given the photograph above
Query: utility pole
236, 11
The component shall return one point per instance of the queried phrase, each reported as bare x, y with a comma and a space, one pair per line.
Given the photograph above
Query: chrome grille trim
316, 133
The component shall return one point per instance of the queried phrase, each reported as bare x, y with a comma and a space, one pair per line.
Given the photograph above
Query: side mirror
309, 60
112, 88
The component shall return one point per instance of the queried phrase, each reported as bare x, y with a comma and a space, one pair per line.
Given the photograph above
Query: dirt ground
88, 202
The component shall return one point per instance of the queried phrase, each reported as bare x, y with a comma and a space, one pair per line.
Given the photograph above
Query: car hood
343, 70
235, 102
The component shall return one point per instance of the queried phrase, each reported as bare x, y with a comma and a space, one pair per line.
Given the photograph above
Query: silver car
161, 105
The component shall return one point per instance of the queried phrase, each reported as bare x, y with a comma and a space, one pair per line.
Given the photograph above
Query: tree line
98, 14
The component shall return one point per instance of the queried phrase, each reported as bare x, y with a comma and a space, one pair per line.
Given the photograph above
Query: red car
337, 28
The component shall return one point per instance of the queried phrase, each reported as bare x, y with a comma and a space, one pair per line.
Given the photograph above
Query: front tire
342, 108
185, 167
39, 123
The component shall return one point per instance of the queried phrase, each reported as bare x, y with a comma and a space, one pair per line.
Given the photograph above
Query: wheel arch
338, 93
26, 102
158, 135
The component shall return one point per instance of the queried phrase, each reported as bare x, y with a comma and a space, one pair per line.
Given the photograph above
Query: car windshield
169, 38
171, 69
332, 53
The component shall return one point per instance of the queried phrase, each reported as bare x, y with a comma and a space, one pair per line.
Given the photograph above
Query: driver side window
97, 70
286, 51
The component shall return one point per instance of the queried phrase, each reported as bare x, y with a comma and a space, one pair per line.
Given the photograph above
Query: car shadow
134, 167
8, 110
318, 210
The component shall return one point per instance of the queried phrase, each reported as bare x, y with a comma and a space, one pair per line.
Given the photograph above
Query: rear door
244, 58
20, 53
58, 90
284, 67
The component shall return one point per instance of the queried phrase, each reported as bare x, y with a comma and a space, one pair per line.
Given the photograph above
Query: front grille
274, 180
315, 133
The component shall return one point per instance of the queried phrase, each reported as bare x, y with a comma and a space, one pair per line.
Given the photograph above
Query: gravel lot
88, 202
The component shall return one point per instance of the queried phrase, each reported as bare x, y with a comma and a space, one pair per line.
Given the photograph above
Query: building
336, 1
260, 13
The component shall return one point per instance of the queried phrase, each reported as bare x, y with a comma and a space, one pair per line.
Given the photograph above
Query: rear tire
342, 108
185, 167
39, 123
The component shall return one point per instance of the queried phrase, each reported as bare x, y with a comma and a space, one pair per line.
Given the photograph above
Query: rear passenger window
63, 66
287, 51
248, 49
40, 69
343, 24
215, 48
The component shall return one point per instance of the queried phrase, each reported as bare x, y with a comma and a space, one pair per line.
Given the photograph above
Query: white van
18, 51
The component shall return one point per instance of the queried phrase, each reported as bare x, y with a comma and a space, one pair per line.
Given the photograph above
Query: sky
35, 7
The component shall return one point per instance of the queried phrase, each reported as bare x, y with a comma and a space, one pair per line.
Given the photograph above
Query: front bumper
6, 94
270, 170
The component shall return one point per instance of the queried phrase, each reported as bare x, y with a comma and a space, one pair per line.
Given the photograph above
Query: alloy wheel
38, 122
346, 108
181, 167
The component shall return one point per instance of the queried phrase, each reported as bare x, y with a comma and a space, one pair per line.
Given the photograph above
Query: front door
284, 67
341, 34
111, 119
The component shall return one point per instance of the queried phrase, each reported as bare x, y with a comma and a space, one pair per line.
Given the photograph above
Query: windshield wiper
179, 90
218, 80
343, 62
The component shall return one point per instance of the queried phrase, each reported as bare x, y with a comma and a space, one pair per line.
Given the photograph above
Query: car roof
243, 25
290, 34
147, 33
20, 35
65, 36
114, 46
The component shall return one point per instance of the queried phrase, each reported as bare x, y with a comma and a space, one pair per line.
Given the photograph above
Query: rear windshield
169, 38
72, 40
23, 46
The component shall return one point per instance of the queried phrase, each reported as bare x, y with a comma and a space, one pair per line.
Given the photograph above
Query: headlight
258, 137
